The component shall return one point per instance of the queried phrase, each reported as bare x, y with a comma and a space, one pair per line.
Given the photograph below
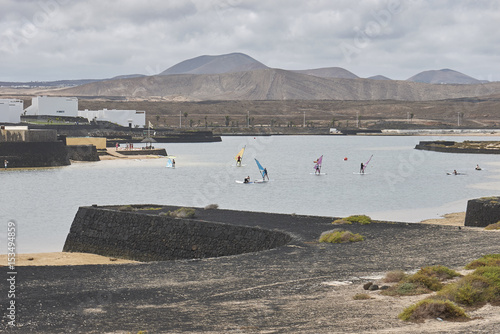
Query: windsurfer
477, 167
264, 175
173, 163
247, 179
362, 168
238, 161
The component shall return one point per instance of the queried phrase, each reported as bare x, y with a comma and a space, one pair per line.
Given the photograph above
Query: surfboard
238, 181
317, 174
360, 173
456, 174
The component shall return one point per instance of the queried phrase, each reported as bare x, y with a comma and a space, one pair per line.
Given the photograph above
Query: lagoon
401, 184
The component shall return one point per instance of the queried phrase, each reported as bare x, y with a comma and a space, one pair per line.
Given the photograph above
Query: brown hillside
274, 84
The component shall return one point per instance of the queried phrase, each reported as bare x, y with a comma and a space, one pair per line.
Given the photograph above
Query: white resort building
68, 106
11, 110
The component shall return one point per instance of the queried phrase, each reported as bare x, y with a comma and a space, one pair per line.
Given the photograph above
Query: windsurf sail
317, 166
366, 163
239, 156
169, 163
261, 169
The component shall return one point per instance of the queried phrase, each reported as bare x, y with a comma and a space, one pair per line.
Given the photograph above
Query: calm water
402, 183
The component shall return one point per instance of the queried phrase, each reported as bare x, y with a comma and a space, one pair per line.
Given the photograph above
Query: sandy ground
115, 155
450, 219
61, 259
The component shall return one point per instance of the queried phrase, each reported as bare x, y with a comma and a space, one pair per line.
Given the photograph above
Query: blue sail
169, 163
261, 169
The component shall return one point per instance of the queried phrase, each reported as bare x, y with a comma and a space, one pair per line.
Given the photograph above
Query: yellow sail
240, 154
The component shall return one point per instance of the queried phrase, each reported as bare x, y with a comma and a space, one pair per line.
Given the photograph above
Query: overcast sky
42, 40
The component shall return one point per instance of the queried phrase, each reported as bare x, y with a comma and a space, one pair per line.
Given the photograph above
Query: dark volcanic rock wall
82, 153
482, 212
144, 237
34, 154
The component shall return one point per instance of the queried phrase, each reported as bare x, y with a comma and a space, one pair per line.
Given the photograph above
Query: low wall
34, 154
482, 212
98, 142
82, 153
147, 237
153, 151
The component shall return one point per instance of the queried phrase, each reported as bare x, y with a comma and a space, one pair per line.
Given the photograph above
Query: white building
53, 106
68, 106
11, 110
130, 118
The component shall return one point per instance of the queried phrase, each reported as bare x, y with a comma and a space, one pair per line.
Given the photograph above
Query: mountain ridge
275, 84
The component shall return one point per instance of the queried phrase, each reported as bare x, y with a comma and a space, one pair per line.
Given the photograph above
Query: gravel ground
303, 287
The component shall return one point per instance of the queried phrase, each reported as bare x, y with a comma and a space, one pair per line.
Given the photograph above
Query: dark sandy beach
303, 287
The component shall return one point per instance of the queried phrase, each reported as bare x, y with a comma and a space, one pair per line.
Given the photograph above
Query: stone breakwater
482, 212
475, 147
152, 237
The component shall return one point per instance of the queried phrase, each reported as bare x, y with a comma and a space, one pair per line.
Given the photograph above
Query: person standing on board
264, 175
238, 161
362, 168
173, 163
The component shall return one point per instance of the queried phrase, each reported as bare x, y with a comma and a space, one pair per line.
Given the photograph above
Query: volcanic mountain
444, 76
228, 63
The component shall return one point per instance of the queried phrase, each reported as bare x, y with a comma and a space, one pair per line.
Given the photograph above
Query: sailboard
317, 166
242, 182
452, 173
263, 172
362, 171
240, 156
170, 162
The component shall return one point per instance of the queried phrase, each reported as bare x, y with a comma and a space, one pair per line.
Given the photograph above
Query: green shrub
492, 274
431, 309
180, 213
470, 290
490, 260
362, 219
406, 289
495, 226
341, 221
340, 236
361, 296
126, 208
394, 276
442, 273
431, 283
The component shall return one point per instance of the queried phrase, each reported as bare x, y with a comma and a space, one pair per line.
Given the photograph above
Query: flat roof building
11, 110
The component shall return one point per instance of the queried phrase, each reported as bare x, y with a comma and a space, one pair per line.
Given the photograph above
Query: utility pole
180, 119
248, 118
357, 119
304, 125
458, 119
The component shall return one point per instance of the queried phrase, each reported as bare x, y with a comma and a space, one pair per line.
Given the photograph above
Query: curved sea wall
482, 212
153, 237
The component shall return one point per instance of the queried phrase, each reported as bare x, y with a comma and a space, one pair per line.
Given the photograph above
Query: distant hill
329, 72
444, 76
228, 63
275, 84
379, 77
